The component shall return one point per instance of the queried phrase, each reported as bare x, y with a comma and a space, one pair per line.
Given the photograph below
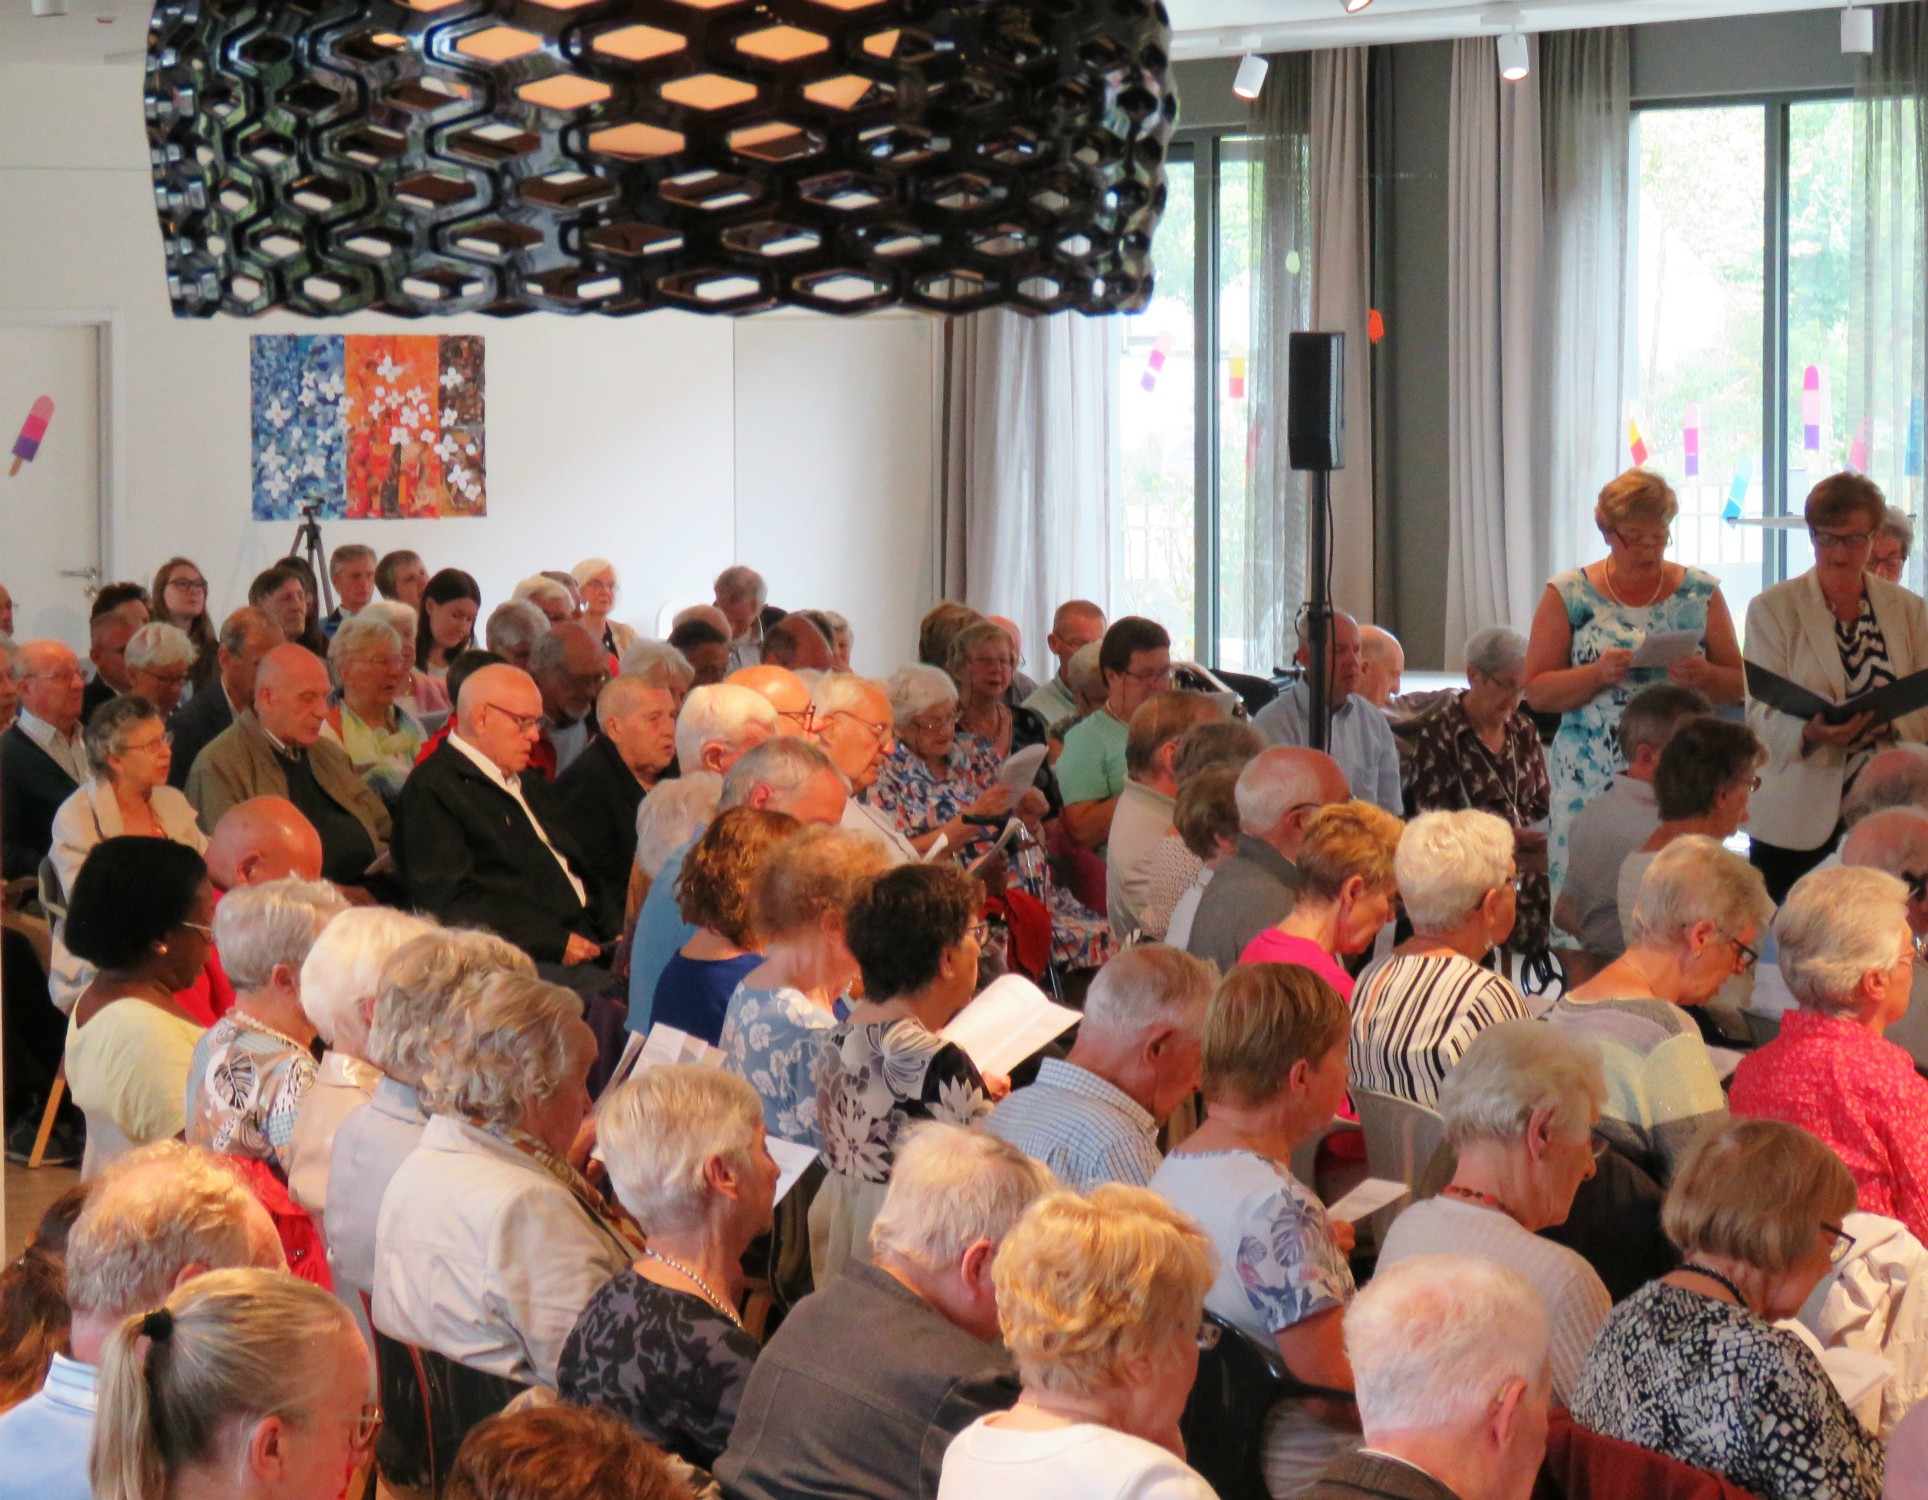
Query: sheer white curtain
1309, 269
1493, 233
1030, 493
1887, 349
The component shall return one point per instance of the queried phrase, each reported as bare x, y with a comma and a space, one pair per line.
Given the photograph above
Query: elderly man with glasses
1136, 659
42, 759
1361, 739
569, 668
478, 841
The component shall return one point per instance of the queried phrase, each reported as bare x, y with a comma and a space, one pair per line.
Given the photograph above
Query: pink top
1859, 1093
1274, 947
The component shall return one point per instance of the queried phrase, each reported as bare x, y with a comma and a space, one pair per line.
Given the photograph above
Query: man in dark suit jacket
246, 636
42, 761
598, 795
477, 842
1449, 1359
108, 635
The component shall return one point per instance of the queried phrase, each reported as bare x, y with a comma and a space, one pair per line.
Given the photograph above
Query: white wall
671, 443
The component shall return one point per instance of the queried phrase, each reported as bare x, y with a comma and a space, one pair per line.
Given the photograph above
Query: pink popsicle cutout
31, 432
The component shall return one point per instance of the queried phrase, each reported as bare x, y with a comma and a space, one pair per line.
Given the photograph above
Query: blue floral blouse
771, 1038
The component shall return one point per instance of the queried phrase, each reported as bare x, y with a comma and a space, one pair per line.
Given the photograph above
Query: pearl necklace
1646, 603
242, 1018
701, 1285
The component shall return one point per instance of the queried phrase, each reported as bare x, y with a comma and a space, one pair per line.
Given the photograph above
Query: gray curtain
1887, 349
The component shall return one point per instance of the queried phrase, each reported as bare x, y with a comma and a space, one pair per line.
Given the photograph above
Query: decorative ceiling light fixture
614, 156
1252, 68
1857, 31
1515, 61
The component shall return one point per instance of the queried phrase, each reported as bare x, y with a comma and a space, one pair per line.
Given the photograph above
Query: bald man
262, 839
785, 692
1077, 624
42, 760
478, 842
1381, 662
1361, 739
597, 797
1278, 792
276, 750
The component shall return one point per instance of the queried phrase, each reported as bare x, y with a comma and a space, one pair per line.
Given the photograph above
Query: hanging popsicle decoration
1858, 449
1737, 491
1155, 361
31, 432
1690, 441
1911, 463
1636, 444
1235, 371
1811, 409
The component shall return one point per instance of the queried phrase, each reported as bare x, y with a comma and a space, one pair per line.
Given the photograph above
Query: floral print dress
244, 1089
770, 1039
918, 800
1586, 751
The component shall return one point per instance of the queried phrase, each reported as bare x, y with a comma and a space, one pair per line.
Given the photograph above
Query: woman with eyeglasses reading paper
1837, 631
1591, 622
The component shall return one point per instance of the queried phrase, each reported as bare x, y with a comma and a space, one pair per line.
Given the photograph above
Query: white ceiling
95, 31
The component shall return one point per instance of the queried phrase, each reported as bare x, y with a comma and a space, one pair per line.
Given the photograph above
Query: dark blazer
32, 786
1367, 1476
596, 801
97, 693
468, 857
195, 727
814, 1421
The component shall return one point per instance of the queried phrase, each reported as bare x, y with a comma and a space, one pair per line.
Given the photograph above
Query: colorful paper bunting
1737, 491
1636, 445
1375, 326
1911, 466
1155, 361
1858, 449
1690, 440
1811, 409
1236, 369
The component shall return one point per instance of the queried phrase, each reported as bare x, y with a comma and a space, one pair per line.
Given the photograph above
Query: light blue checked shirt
1362, 742
46, 1437
1084, 1129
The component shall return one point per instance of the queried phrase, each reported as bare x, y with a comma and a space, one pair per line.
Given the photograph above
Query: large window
1185, 369
1736, 361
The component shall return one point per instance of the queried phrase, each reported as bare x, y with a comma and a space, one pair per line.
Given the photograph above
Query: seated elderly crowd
551, 1045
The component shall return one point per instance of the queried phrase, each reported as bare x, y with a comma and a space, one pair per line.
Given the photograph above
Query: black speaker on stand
1315, 442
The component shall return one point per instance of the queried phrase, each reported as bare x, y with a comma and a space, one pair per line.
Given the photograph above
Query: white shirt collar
42, 732
513, 786
510, 784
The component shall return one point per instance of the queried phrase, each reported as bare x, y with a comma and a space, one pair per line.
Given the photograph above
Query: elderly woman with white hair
1692, 1366
547, 595
490, 1241
423, 696
662, 1345
252, 1067
660, 665
1478, 748
424, 989
596, 582
1098, 1300
1520, 1109
127, 747
1418, 1009
339, 979
160, 657
1699, 920
365, 716
1847, 955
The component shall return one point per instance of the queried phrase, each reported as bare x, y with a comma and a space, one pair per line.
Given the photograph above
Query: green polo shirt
1092, 766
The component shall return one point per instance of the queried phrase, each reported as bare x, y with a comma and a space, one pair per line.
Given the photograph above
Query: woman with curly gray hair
490, 1241
127, 747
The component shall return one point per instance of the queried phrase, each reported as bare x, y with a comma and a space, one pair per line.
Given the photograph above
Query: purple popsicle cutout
31, 432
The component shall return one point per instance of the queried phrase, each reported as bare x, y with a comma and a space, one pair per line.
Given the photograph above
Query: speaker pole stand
1318, 619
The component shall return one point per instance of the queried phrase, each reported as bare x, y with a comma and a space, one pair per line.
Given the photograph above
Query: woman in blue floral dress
886, 1068
938, 774
1590, 622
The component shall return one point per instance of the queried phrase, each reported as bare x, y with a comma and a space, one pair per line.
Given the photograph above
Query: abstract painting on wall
368, 426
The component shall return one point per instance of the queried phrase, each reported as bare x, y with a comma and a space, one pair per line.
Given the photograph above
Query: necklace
1474, 1195
1715, 1276
242, 1018
1614, 593
701, 1285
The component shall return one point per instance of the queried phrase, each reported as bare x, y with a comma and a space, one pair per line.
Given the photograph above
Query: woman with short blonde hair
489, 1241
200, 1397
1274, 1059
1098, 1299
1579, 660
1346, 893
1848, 957
782, 1008
661, 1344
1699, 920
1692, 1366
365, 717
596, 582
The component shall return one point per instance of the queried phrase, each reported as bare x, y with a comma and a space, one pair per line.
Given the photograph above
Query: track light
1251, 76
1514, 62
1857, 31
1353, 7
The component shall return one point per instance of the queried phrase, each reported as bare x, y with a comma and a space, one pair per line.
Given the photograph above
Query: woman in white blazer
1838, 631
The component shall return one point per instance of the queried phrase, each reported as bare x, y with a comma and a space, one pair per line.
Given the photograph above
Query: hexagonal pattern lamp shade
613, 156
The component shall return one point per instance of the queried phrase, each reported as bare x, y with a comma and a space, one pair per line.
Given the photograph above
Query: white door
50, 511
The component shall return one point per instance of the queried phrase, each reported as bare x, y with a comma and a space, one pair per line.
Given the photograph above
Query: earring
161, 948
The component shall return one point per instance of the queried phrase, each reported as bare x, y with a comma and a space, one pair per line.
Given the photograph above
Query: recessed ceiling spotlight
1251, 76
1857, 31
1514, 61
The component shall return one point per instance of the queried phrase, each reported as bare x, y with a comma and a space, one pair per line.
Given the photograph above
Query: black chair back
1239, 1381
429, 1403
1615, 1226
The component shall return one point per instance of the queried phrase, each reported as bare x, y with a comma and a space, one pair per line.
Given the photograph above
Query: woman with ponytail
200, 1397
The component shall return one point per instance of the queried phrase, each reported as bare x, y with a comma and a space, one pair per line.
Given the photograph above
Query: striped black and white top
1867, 666
1414, 1014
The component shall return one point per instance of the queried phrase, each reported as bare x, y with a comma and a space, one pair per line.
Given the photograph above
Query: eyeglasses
1149, 675
189, 585
368, 1426
1839, 541
159, 742
166, 679
1009, 662
929, 725
58, 674
200, 927
1639, 539
524, 723
1598, 1144
1745, 958
881, 733
804, 718
597, 679
1841, 1244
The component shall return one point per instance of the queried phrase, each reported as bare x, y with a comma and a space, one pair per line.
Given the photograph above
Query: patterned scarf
606, 1213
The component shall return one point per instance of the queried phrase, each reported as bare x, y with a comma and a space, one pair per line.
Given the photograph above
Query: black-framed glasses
1745, 957
1626, 540
1844, 541
190, 585
523, 722
1840, 1243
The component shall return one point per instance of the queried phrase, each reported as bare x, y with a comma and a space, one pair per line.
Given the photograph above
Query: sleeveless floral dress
1586, 751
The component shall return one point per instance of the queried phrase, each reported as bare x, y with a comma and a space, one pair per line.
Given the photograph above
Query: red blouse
1858, 1093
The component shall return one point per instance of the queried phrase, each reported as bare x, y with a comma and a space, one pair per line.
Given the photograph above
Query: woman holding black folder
1835, 634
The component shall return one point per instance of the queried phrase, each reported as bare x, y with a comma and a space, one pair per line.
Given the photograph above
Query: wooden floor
28, 1194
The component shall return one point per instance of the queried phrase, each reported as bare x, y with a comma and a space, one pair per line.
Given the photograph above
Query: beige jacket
1790, 631
240, 762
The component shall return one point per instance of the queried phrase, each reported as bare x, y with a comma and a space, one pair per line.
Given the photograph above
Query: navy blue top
693, 994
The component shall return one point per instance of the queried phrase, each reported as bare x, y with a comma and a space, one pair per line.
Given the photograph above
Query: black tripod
1315, 436
308, 548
